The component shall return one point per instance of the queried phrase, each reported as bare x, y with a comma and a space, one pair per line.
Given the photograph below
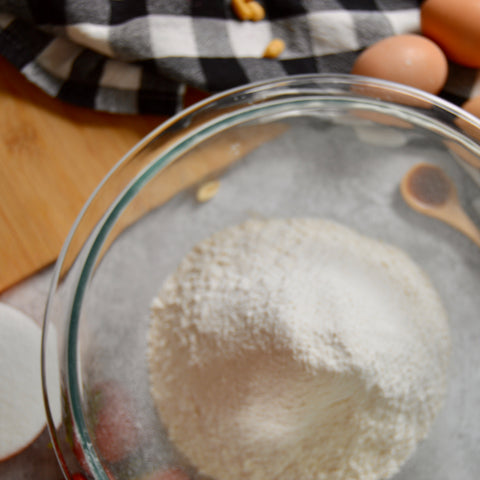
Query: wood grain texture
52, 156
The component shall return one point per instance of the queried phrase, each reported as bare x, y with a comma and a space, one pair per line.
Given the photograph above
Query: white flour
297, 349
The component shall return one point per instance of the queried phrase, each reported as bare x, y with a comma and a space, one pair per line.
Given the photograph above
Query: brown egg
391, 96
409, 59
473, 106
455, 26
462, 153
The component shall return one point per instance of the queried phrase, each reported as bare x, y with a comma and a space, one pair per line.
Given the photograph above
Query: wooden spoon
427, 189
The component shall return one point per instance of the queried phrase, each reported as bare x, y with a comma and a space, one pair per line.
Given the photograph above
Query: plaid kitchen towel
137, 56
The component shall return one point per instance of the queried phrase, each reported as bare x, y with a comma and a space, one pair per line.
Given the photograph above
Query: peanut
274, 48
241, 9
207, 191
257, 12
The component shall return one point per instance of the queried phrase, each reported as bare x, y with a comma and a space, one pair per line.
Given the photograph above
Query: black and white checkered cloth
137, 56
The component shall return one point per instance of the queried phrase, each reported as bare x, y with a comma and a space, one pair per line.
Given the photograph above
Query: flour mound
297, 349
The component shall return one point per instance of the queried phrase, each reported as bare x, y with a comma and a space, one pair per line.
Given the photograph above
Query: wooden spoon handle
458, 219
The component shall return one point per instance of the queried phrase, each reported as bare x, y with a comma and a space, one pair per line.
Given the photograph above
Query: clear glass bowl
329, 146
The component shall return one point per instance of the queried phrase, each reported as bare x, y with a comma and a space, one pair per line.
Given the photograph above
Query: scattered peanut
241, 9
207, 191
274, 48
257, 12
248, 10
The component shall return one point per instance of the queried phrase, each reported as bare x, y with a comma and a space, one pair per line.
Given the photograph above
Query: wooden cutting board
52, 156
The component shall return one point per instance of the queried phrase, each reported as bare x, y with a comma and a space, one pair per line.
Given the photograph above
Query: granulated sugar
297, 349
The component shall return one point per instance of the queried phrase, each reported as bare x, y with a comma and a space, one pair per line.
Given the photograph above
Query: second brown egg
408, 59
